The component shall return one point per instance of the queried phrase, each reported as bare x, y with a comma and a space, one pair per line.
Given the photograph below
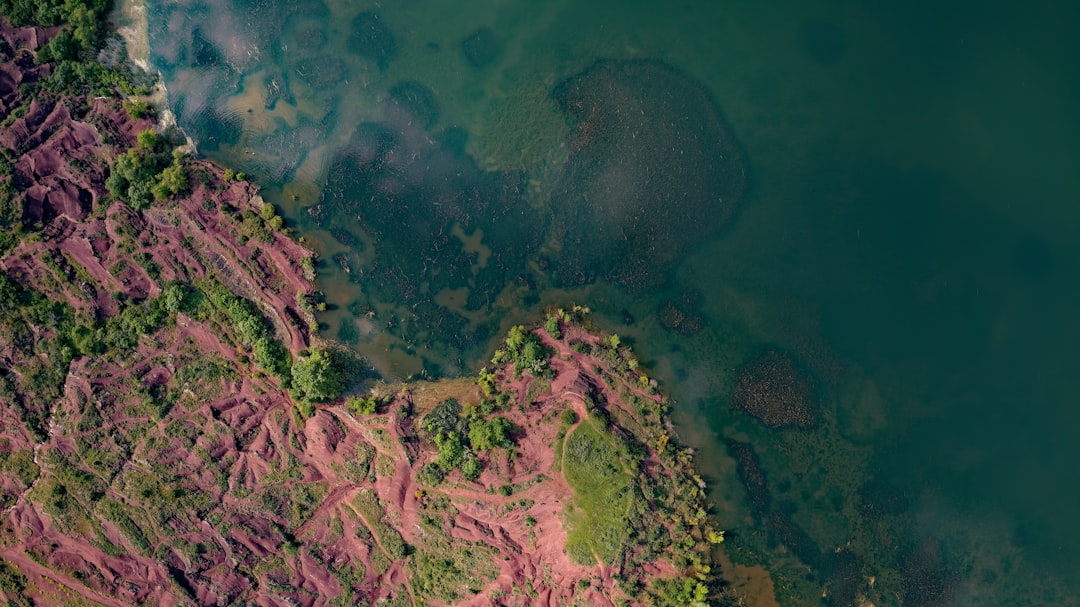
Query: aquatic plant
653, 170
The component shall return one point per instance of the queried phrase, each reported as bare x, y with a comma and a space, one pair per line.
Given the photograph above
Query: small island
173, 431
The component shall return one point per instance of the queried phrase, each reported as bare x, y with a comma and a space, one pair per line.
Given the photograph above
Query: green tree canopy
315, 377
487, 434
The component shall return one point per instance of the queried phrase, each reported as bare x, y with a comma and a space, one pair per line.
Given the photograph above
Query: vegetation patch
447, 569
366, 503
599, 470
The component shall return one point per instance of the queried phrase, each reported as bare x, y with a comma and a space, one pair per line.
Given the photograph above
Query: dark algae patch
392, 175
416, 101
482, 48
775, 389
653, 171
372, 39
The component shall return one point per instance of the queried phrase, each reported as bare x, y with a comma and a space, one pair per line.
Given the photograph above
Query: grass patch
449, 570
598, 468
117, 513
367, 505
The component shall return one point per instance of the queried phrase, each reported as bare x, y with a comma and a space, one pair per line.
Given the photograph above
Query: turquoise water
907, 233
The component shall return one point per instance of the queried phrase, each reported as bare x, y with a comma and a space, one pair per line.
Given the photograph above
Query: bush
121, 333
138, 109
431, 475
445, 417
91, 79
525, 350
243, 314
551, 325
451, 450
273, 357
487, 434
84, 18
13, 585
175, 297
315, 378
471, 466
569, 417
362, 405
171, 181
685, 591
134, 175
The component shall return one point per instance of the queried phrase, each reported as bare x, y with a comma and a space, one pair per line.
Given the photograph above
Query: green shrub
273, 357
315, 378
138, 109
134, 175
525, 350
431, 475
451, 450
13, 585
172, 180
551, 325
242, 313
20, 465
445, 417
487, 434
362, 405
569, 417
680, 592
471, 466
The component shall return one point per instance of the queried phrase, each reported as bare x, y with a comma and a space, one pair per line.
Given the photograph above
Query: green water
908, 234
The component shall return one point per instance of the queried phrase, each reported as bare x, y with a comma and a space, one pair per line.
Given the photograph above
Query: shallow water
907, 234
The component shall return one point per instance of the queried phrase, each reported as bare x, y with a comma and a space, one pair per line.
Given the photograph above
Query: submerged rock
653, 171
773, 388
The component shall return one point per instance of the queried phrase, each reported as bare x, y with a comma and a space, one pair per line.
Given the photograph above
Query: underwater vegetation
682, 314
653, 171
415, 100
773, 388
411, 194
372, 39
482, 48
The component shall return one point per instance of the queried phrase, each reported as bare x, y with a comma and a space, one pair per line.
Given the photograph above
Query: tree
451, 450
487, 434
171, 181
315, 377
273, 357
173, 296
471, 466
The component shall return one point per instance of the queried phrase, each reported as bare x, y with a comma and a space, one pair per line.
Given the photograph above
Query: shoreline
128, 20
173, 422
